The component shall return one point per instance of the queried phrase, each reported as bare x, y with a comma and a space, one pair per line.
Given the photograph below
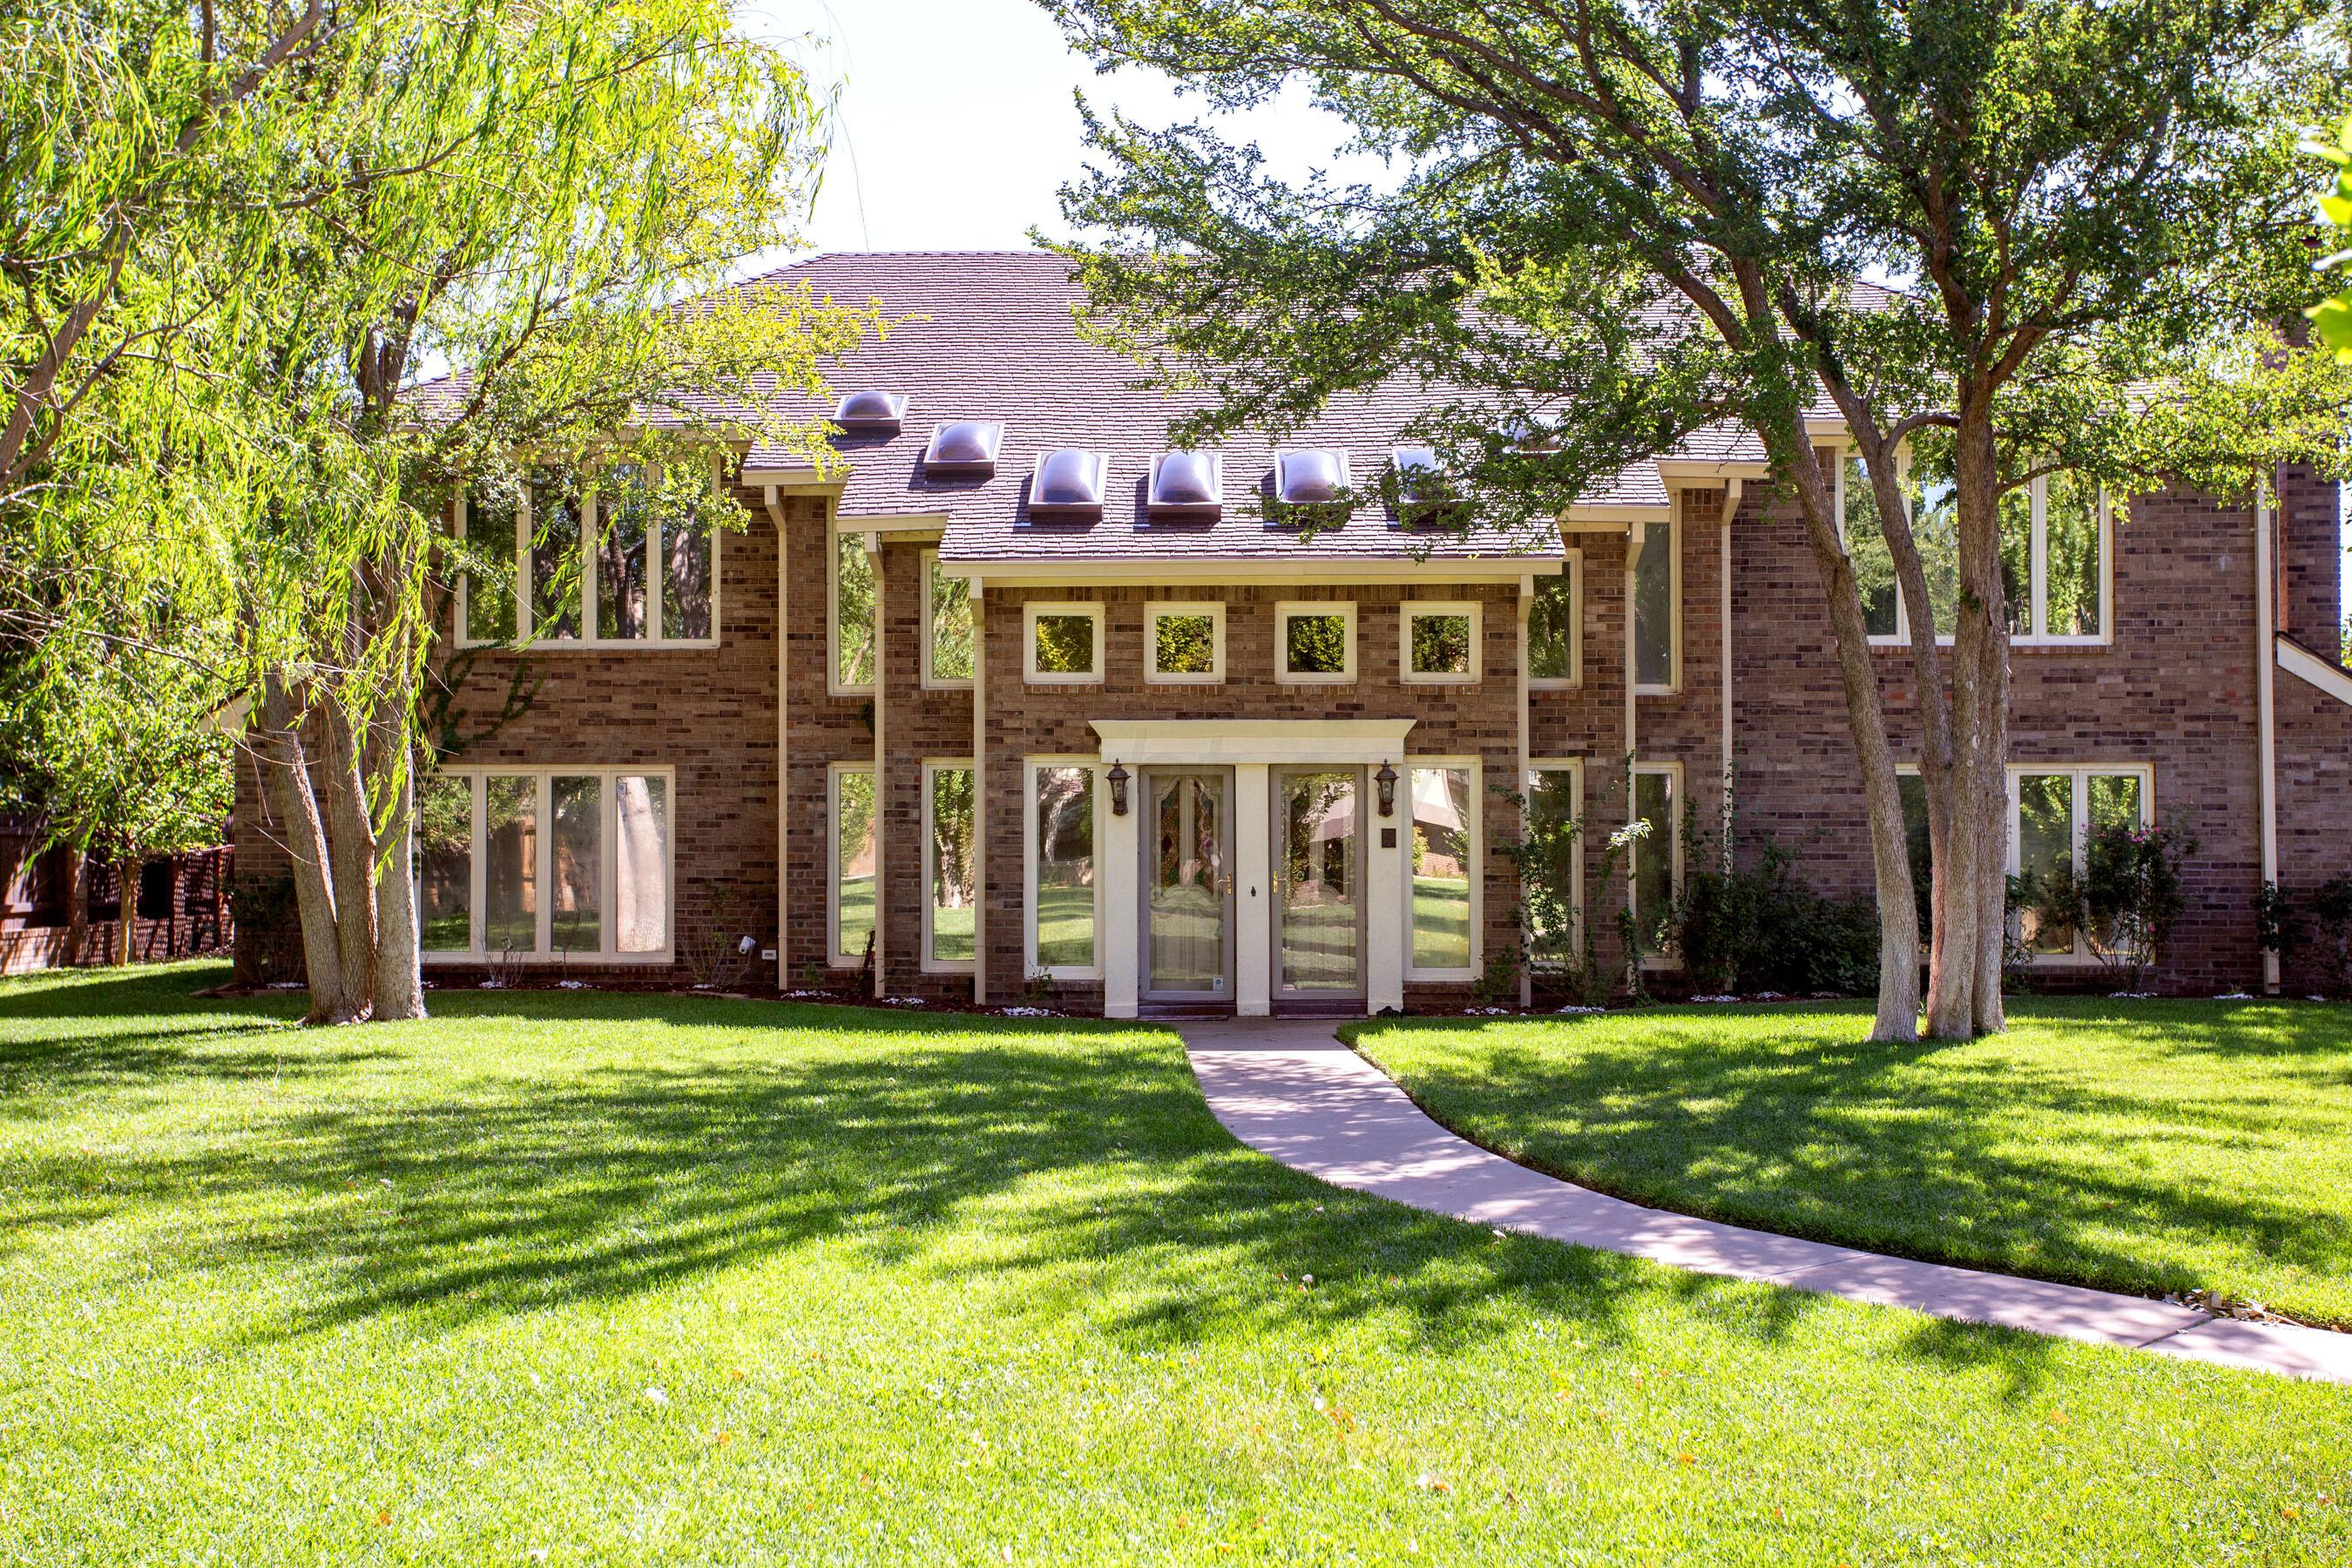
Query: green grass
1441, 923
2134, 1145
921, 1290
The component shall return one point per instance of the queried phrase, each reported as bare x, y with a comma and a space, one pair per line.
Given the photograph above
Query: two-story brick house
1014, 701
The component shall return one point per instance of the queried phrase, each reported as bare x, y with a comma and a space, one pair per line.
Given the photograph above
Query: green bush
1756, 928
268, 929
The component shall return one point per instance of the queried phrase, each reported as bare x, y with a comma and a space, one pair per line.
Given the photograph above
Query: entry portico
1313, 896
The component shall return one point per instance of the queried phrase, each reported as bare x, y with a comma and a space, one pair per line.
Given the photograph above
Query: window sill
1285, 679
1151, 678
550, 959
1413, 679
601, 644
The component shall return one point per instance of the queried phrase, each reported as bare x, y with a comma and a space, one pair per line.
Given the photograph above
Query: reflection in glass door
1189, 884
1319, 917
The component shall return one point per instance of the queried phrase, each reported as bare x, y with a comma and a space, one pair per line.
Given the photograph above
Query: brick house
1018, 705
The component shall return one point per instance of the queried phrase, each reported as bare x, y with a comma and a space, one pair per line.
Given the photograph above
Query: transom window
561, 864
1556, 627
1315, 642
1063, 912
1441, 643
2055, 565
2052, 813
1184, 642
592, 567
948, 651
1065, 643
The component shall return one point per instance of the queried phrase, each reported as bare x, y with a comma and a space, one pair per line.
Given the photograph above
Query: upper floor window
947, 625
1184, 642
1315, 642
1441, 644
2054, 557
1066, 644
1657, 609
1555, 628
850, 627
628, 558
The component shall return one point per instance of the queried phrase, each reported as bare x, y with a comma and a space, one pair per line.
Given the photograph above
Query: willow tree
536, 199
1978, 232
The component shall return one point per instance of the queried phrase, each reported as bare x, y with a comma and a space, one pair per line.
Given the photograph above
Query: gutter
1732, 487
783, 773
2266, 716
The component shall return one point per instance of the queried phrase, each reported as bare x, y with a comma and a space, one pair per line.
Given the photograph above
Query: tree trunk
77, 905
399, 979
127, 869
351, 844
1898, 922
286, 782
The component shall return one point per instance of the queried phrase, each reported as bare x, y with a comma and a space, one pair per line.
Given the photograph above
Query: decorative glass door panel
1188, 882
1319, 881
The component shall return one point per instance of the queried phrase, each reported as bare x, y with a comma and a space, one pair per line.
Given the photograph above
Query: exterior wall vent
1187, 485
1309, 476
964, 448
1069, 484
871, 413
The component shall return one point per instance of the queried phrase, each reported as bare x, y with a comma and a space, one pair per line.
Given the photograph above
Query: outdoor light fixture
1119, 777
1386, 779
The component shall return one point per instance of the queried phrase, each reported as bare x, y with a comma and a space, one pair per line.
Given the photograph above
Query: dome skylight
1308, 475
1069, 483
964, 447
871, 411
1193, 482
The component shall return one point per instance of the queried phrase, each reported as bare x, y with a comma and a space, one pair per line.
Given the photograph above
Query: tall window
1444, 867
1655, 856
1657, 609
2052, 813
1555, 632
596, 563
948, 879
1555, 801
2054, 556
1062, 912
559, 863
947, 625
853, 614
854, 863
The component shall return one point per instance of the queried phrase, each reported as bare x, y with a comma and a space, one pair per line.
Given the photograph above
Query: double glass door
1188, 921
1318, 882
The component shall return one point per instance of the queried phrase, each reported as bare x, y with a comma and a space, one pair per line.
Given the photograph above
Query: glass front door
1319, 936
1189, 885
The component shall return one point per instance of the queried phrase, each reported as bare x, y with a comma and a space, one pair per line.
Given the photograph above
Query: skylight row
1073, 482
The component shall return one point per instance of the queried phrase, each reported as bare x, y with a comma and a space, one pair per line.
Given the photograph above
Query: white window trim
1573, 571
928, 569
834, 957
1474, 833
1092, 610
933, 766
2037, 566
2079, 829
870, 543
1574, 768
1673, 685
1030, 767
543, 870
591, 521
1417, 609
1155, 611
1671, 959
1288, 609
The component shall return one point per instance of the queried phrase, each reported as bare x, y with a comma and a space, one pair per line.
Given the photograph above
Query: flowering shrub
2125, 899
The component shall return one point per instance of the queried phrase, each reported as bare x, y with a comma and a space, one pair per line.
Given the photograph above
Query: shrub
1756, 928
268, 929
2328, 912
2124, 899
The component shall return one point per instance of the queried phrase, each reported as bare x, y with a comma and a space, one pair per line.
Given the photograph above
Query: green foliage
2328, 913
1315, 644
1066, 644
2126, 898
1187, 645
1755, 928
268, 929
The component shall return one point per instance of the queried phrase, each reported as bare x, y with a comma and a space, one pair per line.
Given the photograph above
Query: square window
1315, 642
1441, 644
1184, 643
1065, 643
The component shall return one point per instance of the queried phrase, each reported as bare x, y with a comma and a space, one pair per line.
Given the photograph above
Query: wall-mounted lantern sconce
1386, 778
1118, 777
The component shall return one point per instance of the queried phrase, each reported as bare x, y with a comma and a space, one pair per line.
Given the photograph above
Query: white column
1384, 892
1253, 891
1120, 869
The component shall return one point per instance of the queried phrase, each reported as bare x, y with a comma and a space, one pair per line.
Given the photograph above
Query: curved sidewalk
1293, 1091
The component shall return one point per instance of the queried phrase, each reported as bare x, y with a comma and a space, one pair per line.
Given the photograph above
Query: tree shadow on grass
1044, 1171
1846, 1141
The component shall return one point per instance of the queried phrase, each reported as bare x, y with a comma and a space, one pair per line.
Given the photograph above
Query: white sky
934, 91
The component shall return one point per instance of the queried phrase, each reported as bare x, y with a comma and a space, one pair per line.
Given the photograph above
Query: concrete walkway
1292, 1091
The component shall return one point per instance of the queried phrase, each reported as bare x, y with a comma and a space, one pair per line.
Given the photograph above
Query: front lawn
2135, 1145
627, 1278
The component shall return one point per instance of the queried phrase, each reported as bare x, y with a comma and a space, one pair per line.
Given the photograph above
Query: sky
932, 92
